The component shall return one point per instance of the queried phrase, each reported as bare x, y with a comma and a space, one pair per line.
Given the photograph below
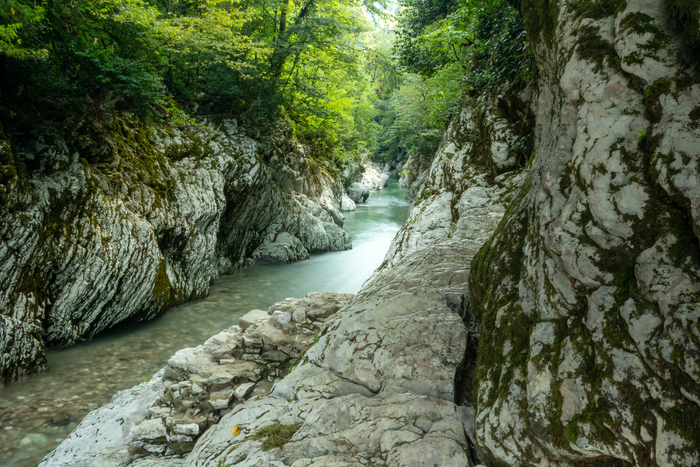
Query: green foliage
209, 58
314, 62
415, 116
275, 435
452, 50
415, 19
14, 15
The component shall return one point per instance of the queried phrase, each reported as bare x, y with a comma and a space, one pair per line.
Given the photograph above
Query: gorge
538, 307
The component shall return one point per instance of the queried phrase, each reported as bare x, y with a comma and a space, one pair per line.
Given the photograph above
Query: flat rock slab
251, 317
341, 431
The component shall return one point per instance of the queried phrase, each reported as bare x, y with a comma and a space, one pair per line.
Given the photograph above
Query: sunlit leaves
14, 15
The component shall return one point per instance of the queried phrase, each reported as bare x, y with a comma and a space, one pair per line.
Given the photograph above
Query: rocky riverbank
166, 415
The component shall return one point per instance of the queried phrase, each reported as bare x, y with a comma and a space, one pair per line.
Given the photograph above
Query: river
37, 413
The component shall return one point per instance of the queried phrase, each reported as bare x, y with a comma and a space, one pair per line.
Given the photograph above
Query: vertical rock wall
588, 292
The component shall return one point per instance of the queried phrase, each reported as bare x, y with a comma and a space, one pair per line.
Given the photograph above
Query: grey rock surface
392, 168
377, 386
251, 317
374, 178
347, 204
358, 193
587, 292
284, 249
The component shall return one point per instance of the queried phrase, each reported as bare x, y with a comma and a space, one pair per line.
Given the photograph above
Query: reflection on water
36, 414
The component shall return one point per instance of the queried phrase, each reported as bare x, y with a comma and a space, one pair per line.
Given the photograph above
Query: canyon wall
387, 379
147, 223
587, 293
540, 306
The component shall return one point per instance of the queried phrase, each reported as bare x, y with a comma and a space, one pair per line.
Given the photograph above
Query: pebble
34, 438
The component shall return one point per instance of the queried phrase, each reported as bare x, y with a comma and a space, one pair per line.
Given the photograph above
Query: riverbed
37, 413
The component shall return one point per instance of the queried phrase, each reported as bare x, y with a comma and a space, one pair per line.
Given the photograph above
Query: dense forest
352, 76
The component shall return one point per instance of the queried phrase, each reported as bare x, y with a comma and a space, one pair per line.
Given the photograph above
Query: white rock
150, 430
284, 318
189, 429
221, 399
251, 317
242, 391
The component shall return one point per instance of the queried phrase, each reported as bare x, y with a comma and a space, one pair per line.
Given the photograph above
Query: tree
15, 15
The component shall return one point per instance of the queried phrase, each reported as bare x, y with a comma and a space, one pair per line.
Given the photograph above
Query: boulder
285, 249
251, 317
358, 192
347, 204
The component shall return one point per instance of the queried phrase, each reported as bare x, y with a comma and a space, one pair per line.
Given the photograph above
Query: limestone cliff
147, 223
587, 293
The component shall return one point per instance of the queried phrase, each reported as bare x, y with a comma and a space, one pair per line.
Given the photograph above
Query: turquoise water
36, 414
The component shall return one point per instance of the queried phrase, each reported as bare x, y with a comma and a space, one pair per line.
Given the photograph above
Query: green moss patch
540, 20
597, 9
641, 24
684, 16
695, 117
593, 48
275, 435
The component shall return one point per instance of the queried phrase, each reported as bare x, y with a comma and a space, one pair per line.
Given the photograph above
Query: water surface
36, 414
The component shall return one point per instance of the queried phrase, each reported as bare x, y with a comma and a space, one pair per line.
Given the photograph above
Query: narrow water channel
36, 414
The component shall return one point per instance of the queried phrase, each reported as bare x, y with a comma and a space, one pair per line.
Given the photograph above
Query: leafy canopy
255, 60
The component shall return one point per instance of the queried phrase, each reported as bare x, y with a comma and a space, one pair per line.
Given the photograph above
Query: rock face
366, 180
166, 416
374, 178
358, 193
85, 246
285, 249
587, 293
392, 168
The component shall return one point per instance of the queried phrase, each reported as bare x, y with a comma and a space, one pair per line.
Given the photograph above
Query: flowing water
37, 413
